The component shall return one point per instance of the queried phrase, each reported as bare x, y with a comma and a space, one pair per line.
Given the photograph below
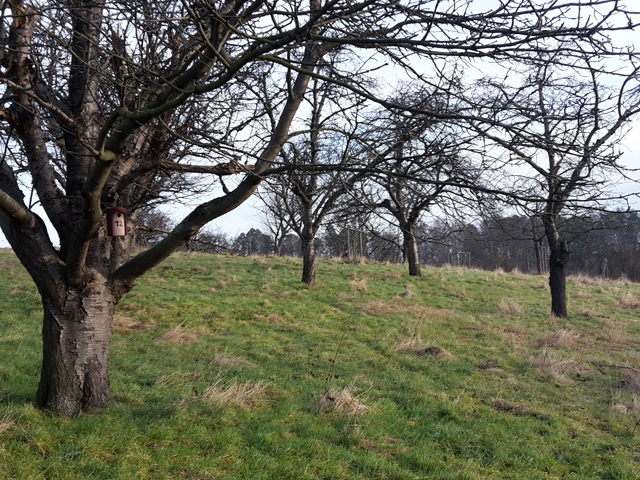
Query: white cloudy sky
248, 215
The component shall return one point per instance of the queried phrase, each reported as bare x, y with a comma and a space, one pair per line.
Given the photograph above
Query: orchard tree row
129, 104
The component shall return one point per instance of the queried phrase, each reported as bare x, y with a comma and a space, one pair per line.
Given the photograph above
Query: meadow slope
230, 368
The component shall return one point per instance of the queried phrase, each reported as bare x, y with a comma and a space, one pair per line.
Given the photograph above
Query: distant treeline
607, 244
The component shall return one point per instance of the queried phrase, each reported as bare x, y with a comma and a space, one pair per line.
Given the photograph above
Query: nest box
116, 222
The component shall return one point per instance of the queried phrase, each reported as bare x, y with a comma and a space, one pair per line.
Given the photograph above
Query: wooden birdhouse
116, 222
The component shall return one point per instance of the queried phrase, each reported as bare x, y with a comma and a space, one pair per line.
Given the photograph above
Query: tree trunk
410, 248
279, 241
76, 339
558, 278
308, 260
537, 248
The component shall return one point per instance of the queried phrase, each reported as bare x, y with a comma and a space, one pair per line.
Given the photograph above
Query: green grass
239, 390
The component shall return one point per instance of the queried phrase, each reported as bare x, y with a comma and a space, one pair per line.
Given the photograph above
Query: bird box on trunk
116, 222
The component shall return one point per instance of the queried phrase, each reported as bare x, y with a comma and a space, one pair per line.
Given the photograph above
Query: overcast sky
248, 215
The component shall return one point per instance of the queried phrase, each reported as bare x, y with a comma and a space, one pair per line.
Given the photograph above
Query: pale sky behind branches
248, 215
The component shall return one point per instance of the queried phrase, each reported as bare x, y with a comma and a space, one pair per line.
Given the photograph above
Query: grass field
230, 368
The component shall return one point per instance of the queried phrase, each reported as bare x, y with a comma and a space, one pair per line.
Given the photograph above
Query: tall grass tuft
510, 307
628, 300
563, 339
342, 401
246, 394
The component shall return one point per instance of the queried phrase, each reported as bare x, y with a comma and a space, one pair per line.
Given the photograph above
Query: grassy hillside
229, 368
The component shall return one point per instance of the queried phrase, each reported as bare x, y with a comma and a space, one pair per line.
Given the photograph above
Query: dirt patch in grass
433, 351
562, 338
124, 325
631, 380
414, 345
490, 366
178, 335
509, 407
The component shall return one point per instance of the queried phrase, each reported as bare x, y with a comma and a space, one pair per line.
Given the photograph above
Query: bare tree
313, 184
558, 134
128, 103
275, 212
417, 159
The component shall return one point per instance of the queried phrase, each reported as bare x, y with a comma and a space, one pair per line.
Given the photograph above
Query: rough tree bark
82, 281
309, 260
76, 338
558, 261
410, 247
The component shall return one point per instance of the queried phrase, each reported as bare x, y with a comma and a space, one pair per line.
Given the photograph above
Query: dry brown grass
221, 285
246, 395
509, 407
357, 260
178, 335
580, 279
6, 423
124, 324
628, 300
414, 345
562, 338
616, 338
491, 366
631, 380
16, 291
212, 290
517, 336
379, 308
547, 363
226, 360
359, 284
408, 292
510, 307
343, 401
273, 318
199, 269
629, 408
395, 276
